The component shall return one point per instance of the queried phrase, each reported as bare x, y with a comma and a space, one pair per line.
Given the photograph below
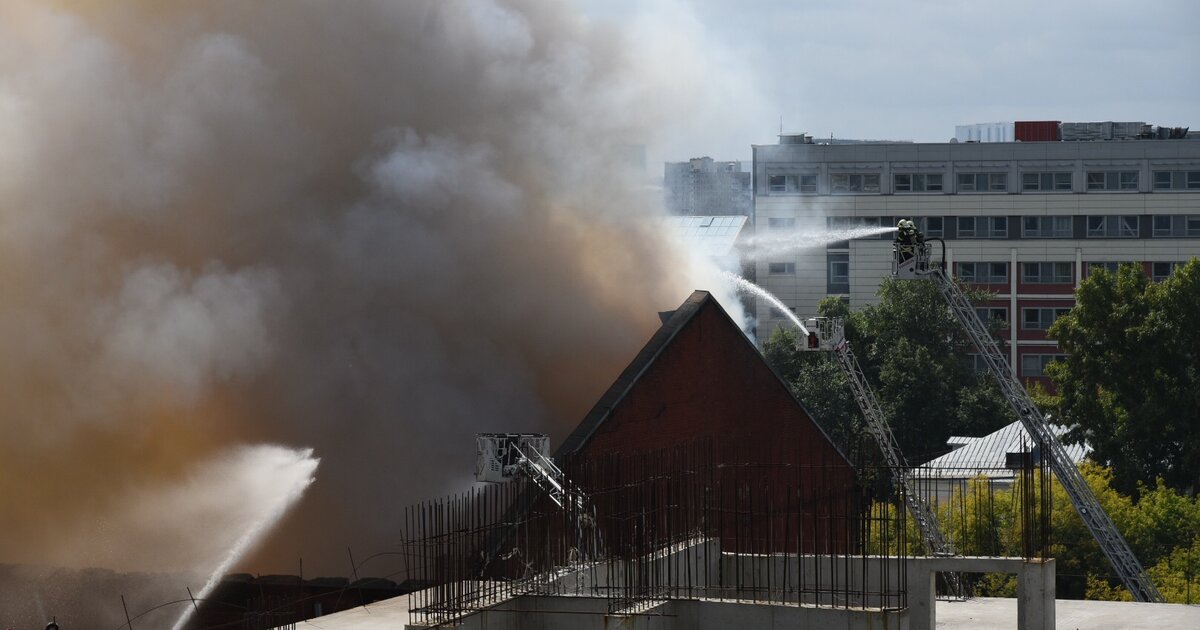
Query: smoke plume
371, 227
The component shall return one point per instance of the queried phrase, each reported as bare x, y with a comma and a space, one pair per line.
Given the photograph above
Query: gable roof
986, 455
674, 323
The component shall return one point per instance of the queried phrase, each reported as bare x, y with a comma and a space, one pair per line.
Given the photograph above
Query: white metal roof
711, 235
986, 455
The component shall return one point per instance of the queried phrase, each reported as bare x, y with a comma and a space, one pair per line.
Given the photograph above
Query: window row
1176, 225
1176, 180
1111, 226
1041, 318
1047, 272
1031, 272
1035, 181
1031, 364
1032, 318
1159, 271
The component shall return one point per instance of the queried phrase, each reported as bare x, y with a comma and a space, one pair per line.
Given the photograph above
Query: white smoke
370, 227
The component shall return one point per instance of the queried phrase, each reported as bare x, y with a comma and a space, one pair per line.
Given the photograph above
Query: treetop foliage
917, 360
1129, 386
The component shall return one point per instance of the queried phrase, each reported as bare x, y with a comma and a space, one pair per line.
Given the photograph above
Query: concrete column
1035, 595
922, 594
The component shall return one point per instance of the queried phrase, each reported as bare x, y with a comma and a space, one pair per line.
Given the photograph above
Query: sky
876, 69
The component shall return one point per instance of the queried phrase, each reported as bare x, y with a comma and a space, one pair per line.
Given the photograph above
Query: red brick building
700, 380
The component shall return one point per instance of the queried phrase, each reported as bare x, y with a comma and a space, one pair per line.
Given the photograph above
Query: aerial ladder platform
828, 335
911, 260
505, 456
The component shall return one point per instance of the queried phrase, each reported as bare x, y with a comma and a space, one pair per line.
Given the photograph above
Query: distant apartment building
1024, 220
702, 186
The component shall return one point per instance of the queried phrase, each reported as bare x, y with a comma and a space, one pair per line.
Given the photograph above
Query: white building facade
1025, 220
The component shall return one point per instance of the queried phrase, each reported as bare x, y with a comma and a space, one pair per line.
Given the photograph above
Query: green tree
916, 358
1129, 386
817, 379
919, 357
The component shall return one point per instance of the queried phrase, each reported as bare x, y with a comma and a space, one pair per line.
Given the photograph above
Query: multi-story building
702, 186
1025, 220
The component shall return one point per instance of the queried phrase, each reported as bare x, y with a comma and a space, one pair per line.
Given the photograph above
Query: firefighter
907, 239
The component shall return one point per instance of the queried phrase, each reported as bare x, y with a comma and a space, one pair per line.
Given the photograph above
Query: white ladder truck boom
911, 260
828, 335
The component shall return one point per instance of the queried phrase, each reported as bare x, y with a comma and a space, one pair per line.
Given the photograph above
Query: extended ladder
1114, 546
828, 335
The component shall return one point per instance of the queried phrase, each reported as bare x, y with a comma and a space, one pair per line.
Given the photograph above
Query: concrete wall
579, 601
579, 613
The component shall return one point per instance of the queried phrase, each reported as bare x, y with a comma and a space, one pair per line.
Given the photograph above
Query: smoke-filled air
368, 228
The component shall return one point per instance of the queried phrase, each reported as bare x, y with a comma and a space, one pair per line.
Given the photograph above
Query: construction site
700, 492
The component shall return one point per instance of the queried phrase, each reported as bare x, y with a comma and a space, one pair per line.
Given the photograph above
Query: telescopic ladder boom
828, 335
915, 264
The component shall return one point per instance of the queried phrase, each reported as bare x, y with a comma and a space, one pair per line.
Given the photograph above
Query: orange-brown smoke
372, 227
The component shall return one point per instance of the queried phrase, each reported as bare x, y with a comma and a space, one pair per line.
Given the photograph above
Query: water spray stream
789, 242
745, 286
297, 475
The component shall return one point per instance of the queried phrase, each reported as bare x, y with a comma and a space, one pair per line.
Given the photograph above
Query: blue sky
913, 70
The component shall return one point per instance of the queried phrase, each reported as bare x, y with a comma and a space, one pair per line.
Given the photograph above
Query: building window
982, 182
1046, 273
1046, 182
1041, 318
839, 273
781, 268
783, 183
1162, 225
1110, 267
1114, 226
792, 183
1046, 227
979, 364
983, 272
1176, 180
982, 227
1112, 180
1160, 271
775, 223
931, 226
989, 314
917, 182
1035, 364
854, 182
851, 223
1166, 225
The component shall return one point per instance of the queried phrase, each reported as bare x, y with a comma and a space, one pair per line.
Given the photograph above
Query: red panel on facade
1036, 130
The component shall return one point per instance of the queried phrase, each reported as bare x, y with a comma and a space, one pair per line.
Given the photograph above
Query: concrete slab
389, 613
990, 613
983, 613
